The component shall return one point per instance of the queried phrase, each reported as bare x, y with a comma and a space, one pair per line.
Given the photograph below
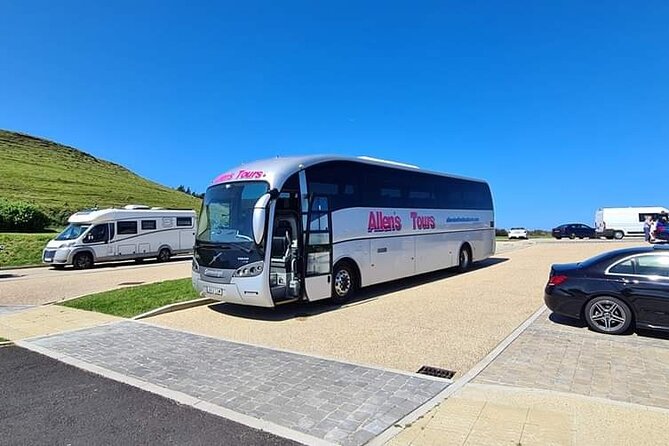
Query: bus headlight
250, 270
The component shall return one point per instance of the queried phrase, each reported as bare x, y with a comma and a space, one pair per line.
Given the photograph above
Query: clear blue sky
562, 106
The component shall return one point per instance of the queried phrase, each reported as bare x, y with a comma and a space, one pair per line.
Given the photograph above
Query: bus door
318, 249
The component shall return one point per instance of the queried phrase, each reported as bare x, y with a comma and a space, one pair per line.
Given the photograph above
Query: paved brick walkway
339, 402
570, 358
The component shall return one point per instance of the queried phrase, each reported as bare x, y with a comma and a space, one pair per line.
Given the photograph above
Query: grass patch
132, 301
23, 249
61, 180
3, 339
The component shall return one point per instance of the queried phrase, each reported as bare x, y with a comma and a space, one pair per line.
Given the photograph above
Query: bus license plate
215, 291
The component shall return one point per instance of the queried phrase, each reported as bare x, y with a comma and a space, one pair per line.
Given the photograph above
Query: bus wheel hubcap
342, 282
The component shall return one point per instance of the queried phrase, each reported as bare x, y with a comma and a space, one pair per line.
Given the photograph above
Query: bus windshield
227, 213
73, 231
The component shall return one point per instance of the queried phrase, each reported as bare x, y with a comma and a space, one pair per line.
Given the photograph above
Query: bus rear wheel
344, 283
464, 259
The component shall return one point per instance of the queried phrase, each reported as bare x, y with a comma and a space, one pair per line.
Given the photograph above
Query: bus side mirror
259, 217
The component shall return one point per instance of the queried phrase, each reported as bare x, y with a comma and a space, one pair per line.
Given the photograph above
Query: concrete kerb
391, 432
182, 398
175, 307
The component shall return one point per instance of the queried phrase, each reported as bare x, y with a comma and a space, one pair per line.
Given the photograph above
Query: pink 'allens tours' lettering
383, 223
422, 221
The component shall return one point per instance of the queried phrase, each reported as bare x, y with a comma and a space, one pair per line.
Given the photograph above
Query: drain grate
436, 372
129, 283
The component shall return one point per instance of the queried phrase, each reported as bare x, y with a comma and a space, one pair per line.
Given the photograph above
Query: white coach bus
134, 232
318, 227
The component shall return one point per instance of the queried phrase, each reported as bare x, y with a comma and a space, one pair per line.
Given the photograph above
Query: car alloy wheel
608, 315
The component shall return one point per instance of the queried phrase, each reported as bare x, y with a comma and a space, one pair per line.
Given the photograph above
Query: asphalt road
48, 402
36, 286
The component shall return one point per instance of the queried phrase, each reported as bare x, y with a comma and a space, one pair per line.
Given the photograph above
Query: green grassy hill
62, 180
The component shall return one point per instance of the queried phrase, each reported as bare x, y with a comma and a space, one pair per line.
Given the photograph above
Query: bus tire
164, 255
344, 282
464, 258
83, 260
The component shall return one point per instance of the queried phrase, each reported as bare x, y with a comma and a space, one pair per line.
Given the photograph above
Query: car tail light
557, 280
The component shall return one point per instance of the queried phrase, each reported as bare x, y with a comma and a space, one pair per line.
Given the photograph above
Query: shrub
21, 216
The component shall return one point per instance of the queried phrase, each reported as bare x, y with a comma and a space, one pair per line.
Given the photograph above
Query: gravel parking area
443, 320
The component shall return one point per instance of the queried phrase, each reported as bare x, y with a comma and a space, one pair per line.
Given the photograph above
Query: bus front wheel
343, 283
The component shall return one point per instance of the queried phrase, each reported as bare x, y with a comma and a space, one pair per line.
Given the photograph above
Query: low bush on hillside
21, 216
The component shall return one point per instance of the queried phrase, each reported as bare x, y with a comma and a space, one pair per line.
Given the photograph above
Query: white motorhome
319, 227
133, 232
624, 222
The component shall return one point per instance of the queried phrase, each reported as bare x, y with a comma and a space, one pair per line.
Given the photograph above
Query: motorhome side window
126, 227
148, 225
98, 233
184, 221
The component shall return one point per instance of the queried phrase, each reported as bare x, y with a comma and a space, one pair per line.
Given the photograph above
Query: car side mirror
259, 217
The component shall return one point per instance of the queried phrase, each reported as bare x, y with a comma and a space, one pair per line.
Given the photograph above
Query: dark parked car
573, 230
614, 290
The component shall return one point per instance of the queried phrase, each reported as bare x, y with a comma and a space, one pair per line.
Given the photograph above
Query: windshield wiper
224, 245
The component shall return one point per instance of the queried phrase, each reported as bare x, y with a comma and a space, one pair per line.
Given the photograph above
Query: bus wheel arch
464, 257
345, 280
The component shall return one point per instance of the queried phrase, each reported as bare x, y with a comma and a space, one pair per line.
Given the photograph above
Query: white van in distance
134, 232
624, 222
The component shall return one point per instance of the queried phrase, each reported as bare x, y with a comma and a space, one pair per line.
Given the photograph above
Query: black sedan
615, 290
573, 230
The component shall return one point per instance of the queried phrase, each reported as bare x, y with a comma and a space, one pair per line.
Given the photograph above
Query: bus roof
277, 170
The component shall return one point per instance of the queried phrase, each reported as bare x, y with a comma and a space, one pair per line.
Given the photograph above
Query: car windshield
73, 231
517, 229
227, 213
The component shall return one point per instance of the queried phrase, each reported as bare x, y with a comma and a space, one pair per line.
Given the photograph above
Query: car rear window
594, 260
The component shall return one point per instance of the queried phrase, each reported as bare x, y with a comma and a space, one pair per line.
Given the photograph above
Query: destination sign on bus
240, 175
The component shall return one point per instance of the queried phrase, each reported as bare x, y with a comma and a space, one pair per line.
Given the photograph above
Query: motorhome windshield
227, 212
73, 231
